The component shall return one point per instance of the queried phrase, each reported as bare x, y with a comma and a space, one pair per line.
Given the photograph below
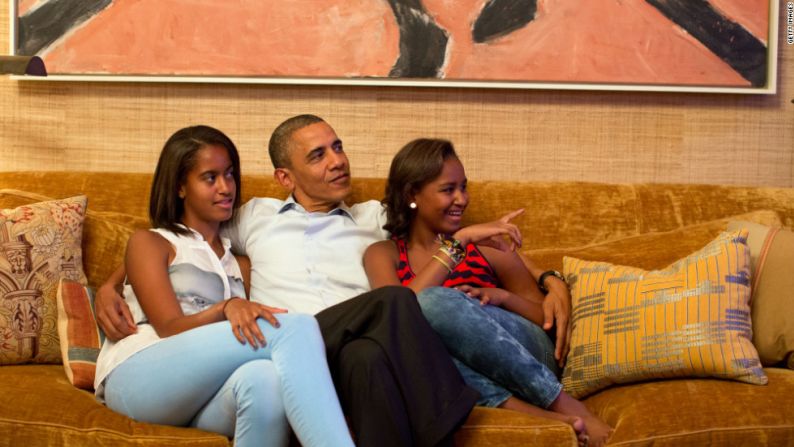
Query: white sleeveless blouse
199, 278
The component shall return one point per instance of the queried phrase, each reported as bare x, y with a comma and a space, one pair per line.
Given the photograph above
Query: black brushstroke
423, 43
502, 17
725, 38
47, 23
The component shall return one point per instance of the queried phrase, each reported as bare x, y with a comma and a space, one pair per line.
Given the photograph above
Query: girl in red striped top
474, 288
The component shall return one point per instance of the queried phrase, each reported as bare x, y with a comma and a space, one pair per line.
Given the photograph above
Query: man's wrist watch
546, 274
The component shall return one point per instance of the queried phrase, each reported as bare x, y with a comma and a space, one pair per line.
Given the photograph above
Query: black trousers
395, 380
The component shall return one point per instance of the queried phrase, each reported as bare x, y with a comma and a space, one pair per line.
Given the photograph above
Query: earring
412, 205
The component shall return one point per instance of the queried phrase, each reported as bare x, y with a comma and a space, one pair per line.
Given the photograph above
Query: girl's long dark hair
177, 158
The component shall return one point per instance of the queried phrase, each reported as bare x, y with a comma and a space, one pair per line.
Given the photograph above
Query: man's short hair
281, 139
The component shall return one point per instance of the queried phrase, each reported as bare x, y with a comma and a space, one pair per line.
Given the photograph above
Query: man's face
319, 173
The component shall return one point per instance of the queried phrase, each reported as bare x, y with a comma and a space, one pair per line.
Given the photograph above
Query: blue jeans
206, 379
498, 352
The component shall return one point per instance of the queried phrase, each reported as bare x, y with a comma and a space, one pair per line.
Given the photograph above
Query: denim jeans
206, 379
498, 352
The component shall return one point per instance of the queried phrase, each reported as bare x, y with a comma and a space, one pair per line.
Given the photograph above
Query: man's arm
556, 309
112, 312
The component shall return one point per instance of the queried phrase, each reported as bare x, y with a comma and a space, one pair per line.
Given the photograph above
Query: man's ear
284, 178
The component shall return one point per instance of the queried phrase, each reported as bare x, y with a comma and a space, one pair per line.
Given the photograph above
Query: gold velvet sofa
39, 406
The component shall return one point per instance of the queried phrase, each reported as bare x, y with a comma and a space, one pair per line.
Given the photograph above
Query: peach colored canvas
299, 37
26, 5
594, 41
752, 14
586, 41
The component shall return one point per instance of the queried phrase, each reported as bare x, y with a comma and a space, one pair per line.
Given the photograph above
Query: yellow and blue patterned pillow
691, 319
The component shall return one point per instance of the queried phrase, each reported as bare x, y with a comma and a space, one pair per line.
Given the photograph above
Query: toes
579, 426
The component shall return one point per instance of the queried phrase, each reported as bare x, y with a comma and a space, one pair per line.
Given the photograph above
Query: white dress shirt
305, 262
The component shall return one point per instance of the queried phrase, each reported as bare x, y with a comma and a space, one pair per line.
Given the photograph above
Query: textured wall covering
502, 134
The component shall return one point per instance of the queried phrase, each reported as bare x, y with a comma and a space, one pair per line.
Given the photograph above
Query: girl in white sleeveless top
248, 377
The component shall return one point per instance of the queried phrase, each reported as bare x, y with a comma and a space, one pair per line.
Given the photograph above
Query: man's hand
557, 308
113, 314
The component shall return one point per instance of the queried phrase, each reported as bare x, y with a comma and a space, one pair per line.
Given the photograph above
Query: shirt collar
196, 236
291, 204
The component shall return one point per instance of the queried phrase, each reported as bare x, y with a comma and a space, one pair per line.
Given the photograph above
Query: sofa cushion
650, 250
39, 244
493, 426
690, 319
79, 334
773, 292
105, 242
699, 412
38, 406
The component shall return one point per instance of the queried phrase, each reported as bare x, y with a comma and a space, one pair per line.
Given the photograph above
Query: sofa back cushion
558, 214
105, 242
652, 250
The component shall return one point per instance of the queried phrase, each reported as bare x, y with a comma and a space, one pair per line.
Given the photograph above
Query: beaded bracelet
452, 249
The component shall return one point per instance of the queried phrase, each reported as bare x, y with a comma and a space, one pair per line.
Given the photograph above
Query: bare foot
597, 430
578, 423
582, 438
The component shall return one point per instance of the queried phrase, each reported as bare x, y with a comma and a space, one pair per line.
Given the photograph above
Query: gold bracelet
452, 248
443, 263
443, 251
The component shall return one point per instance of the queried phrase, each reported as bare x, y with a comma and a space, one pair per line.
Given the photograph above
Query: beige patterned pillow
39, 245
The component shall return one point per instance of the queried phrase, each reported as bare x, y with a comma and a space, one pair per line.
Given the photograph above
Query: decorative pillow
773, 292
650, 250
39, 245
81, 338
689, 319
105, 234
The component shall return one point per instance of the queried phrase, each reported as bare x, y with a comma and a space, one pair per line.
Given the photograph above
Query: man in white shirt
394, 377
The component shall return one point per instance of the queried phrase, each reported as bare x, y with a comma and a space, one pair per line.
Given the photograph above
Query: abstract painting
647, 43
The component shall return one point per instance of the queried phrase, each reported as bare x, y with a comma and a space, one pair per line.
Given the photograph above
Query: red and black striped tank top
474, 271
